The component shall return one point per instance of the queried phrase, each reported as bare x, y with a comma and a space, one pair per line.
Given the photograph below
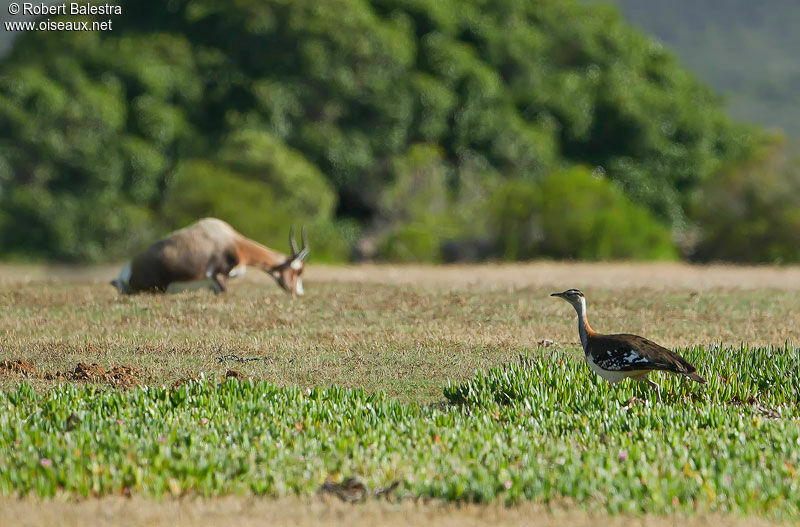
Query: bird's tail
693, 376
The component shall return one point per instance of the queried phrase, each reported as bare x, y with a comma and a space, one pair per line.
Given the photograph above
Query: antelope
210, 251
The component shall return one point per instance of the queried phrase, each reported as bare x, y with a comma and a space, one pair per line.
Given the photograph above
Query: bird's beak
561, 295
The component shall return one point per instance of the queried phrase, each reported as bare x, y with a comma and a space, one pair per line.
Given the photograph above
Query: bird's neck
584, 329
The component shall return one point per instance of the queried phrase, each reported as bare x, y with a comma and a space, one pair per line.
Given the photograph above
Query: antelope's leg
217, 280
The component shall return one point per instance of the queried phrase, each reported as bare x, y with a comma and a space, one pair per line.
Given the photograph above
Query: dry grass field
402, 330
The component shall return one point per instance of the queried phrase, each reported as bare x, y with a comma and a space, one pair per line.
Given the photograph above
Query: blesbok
210, 251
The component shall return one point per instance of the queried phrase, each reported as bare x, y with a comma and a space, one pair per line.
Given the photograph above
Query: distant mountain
7, 37
749, 51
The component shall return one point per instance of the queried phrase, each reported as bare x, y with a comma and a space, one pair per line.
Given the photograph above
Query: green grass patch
544, 429
764, 375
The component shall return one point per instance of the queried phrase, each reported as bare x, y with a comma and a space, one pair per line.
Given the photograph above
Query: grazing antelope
210, 250
615, 357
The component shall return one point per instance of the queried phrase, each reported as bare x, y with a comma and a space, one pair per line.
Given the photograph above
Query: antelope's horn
292, 243
305, 239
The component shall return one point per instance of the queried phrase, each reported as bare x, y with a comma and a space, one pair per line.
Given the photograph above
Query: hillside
745, 50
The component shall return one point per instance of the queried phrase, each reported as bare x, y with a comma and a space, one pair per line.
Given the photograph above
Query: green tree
321, 110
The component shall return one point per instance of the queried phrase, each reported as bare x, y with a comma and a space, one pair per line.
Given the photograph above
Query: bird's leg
656, 387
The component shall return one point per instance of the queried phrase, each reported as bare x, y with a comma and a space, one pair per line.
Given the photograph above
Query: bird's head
573, 296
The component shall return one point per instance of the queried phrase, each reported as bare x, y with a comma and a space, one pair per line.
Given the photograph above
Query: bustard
616, 357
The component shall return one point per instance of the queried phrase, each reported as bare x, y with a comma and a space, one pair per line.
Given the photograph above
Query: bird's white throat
582, 324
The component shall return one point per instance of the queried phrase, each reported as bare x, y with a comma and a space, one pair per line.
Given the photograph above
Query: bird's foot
633, 401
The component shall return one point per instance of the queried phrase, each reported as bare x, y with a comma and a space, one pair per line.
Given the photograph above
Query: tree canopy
412, 123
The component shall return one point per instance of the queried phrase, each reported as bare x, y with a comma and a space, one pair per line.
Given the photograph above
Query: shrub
574, 214
415, 206
751, 213
410, 243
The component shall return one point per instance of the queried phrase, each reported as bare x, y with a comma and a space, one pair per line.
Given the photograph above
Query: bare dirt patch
118, 376
17, 367
236, 374
87, 372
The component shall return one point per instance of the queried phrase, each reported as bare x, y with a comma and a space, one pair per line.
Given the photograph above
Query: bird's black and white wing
620, 358
633, 353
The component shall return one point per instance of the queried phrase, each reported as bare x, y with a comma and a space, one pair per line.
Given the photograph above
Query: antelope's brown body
209, 249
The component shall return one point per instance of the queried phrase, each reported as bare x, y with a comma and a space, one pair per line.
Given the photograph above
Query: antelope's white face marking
122, 282
296, 264
299, 287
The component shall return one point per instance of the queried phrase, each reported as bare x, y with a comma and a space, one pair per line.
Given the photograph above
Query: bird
621, 356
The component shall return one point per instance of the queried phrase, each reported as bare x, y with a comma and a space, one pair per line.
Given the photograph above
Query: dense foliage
545, 429
413, 120
751, 213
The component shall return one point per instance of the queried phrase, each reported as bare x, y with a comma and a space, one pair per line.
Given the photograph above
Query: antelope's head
289, 274
122, 282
